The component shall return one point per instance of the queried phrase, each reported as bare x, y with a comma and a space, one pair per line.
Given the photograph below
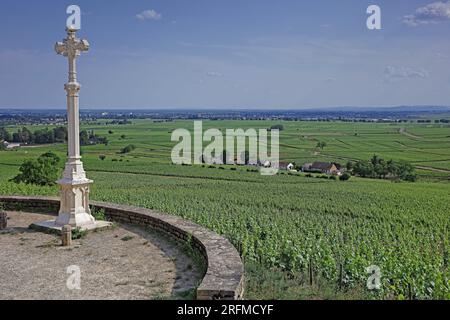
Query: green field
292, 230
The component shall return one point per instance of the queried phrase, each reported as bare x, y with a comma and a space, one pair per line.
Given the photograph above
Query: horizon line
337, 108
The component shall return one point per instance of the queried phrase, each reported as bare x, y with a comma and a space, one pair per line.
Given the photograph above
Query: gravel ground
127, 262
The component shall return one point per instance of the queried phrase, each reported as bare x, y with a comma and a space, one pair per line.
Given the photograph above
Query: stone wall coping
224, 277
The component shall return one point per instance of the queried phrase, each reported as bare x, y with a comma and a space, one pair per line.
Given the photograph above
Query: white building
10, 146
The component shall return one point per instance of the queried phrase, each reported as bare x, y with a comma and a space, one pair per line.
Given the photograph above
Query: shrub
277, 127
321, 144
410, 178
128, 149
102, 157
345, 176
78, 233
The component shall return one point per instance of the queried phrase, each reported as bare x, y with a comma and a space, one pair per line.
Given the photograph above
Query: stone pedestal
74, 210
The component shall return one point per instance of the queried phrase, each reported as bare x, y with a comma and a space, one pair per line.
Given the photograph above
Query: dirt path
127, 262
433, 169
406, 133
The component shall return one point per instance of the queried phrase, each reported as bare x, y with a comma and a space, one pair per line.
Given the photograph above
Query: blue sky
229, 54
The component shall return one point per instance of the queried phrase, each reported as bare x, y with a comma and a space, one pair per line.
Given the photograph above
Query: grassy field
300, 237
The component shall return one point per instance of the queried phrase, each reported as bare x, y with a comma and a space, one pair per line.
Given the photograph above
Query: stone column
74, 185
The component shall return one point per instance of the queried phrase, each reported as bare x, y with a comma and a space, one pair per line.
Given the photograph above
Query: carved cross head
71, 46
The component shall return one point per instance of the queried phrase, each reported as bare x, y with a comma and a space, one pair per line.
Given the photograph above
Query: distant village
381, 115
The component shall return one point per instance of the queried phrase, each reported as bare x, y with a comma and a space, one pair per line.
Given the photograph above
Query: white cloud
392, 73
214, 74
149, 15
432, 13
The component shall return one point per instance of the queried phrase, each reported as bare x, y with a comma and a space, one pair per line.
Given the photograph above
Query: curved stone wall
224, 278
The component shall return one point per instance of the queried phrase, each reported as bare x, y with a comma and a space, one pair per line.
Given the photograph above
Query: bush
102, 157
345, 176
333, 178
277, 127
41, 171
78, 233
410, 178
128, 149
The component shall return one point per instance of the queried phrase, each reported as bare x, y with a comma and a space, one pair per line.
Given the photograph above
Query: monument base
51, 226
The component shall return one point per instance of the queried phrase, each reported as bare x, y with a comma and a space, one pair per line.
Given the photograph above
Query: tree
23, 136
375, 160
89, 138
377, 167
43, 136
349, 165
42, 171
51, 157
84, 138
406, 171
60, 134
4, 135
364, 169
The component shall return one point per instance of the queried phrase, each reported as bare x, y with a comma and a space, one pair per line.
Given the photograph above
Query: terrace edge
224, 277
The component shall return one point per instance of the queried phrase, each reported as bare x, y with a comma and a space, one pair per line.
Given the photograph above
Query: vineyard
309, 231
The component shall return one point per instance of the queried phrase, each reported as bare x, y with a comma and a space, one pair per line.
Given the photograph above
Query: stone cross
74, 186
